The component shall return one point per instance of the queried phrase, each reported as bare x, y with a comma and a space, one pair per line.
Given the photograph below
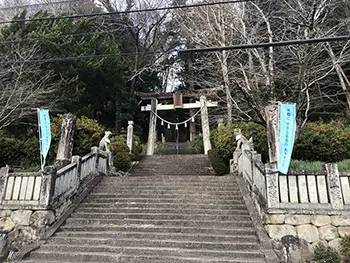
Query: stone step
97, 257
166, 179
99, 194
143, 210
164, 182
211, 201
124, 204
160, 222
173, 188
71, 251
160, 191
153, 243
163, 216
196, 237
150, 228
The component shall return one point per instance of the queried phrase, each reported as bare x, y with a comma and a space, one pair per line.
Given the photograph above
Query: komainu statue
242, 142
104, 143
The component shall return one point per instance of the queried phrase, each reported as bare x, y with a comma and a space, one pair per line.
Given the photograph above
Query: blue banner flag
45, 134
287, 134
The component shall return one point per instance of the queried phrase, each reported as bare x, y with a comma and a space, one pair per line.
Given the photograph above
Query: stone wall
313, 228
25, 226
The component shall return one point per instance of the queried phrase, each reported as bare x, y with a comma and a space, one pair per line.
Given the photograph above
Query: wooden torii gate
154, 107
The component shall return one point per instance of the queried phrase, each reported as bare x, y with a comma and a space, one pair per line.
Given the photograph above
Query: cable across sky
211, 49
125, 12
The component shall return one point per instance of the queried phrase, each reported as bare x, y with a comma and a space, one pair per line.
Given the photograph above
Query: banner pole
41, 159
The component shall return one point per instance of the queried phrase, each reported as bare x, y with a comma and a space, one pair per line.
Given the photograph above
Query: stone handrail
50, 188
325, 190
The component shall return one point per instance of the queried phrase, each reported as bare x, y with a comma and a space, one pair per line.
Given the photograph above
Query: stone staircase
171, 209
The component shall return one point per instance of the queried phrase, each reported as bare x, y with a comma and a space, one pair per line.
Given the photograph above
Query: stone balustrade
31, 202
312, 205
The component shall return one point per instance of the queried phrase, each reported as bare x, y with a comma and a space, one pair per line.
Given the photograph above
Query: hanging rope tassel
168, 126
177, 127
192, 119
185, 124
162, 123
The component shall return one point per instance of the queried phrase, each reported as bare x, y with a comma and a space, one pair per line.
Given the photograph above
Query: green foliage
344, 166
224, 140
306, 165
217, 162
197, 145
10, 151
87, 134
345, 248
326, 254
26, 152
122, 159
31, 152
327, 142
137, 148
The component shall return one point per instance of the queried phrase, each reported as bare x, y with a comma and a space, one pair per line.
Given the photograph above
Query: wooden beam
185, 94
195, 105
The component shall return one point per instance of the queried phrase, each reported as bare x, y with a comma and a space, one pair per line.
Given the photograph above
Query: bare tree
146, 32
253, 78
23, 86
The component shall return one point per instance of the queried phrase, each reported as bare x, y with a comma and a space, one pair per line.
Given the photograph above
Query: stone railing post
234, 161
334, 187
130, 134
95, 151
272, 187
48, 185
77, 159
3, 175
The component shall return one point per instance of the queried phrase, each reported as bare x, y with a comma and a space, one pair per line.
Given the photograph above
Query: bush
327, 142
327, 254
26, 153
197, 145
306, 165
31, 152
217, 162
345, 248
137, 148
10, 151
224, 140
88, 133
121, 154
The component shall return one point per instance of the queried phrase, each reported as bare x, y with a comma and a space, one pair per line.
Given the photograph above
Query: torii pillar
205, 124
152, 132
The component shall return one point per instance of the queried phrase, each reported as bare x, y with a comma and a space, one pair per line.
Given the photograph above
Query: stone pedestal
334, 188
272, 187
130, 134
205, 124
152, 133
65, 145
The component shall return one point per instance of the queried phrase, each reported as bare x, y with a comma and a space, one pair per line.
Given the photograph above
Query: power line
125, 12
43, 4
43, 61
266, 45
234, 47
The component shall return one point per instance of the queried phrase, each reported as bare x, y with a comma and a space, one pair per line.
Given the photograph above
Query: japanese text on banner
45, 134
287, 135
